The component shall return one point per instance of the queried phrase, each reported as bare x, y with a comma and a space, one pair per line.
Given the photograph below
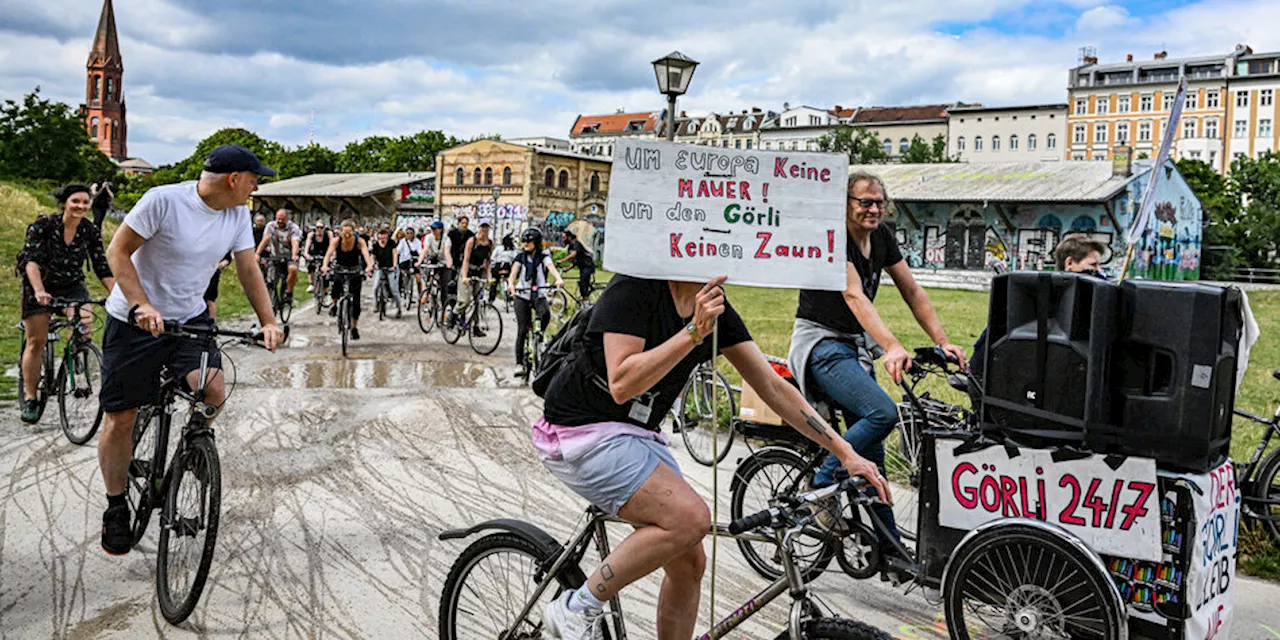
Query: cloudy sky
520, 68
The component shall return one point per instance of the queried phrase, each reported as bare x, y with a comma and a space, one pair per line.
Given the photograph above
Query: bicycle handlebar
247, 337
772, 514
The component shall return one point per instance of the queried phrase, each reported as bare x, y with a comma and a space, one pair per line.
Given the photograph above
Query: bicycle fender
530, 532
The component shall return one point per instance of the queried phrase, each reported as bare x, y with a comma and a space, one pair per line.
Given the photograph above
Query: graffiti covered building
961, 216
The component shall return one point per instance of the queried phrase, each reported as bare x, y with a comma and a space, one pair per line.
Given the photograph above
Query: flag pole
1143, 218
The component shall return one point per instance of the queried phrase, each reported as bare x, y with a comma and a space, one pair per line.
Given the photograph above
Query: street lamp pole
671, 119
673, 71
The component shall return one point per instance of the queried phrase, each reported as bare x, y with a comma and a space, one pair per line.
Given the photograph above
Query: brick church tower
104, 108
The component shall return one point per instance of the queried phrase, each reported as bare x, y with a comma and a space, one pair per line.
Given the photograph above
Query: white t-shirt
185, 240
408, 247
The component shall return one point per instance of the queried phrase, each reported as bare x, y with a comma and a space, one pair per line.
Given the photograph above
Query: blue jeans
869, 413
392, 282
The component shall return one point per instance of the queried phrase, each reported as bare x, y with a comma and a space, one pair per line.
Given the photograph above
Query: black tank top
348, 259
480, 254
319, 244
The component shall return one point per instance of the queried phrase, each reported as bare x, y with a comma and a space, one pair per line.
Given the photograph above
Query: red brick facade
104, 108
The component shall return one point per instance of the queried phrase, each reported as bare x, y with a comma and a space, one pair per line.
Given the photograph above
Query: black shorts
211, 293
30, 307
132, 359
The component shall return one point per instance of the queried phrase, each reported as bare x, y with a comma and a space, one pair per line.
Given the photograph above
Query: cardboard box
752, 408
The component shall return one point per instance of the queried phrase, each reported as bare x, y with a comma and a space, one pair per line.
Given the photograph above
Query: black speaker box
1173, 373
1047, 352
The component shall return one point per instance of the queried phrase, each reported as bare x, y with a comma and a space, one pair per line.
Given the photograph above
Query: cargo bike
1112, 547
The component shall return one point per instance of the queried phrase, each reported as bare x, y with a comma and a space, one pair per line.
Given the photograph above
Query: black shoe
333, 311
397, 314
477, 332
894, 568
355, 333
117, 533
31, 411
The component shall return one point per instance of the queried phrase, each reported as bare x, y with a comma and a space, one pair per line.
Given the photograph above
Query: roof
106, 43
1077, 181
615, 123
340, 185
135, 163
739, 120
1019, 107
892, 115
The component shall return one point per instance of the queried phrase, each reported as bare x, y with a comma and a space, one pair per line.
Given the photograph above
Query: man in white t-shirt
282, 238
163, 255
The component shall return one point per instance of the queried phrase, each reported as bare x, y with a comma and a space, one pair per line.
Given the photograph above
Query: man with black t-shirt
579, 257
837, 331
458, 237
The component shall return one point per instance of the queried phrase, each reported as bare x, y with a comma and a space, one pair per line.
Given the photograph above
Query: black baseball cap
230, 158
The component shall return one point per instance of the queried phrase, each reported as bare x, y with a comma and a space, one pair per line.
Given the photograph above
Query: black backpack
567, 344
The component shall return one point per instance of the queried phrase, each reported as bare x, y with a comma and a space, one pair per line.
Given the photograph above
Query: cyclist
436, 251
51, 265
346, 252
601, 436
283, 238
477, 263
830, 350
579, 257
163, 256
313, 250
527, 284
458, 238
503, 257
384, 256
408, 250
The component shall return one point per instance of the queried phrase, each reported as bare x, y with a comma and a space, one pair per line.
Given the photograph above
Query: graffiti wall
1170, 247
506, 218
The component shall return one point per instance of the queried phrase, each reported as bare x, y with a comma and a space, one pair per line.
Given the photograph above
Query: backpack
566, 345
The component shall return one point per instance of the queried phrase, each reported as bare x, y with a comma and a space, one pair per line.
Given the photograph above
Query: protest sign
1116, 511
1211, 575
764, 218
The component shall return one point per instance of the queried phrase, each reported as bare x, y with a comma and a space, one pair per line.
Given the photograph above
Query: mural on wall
909, 245
966, 239
1170, 247
506, 218
935, 247
597, 235
417, 222
997, 250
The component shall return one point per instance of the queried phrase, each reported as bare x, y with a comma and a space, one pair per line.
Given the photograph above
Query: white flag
1143, 219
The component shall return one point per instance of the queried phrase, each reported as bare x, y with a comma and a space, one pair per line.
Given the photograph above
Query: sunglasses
867, 203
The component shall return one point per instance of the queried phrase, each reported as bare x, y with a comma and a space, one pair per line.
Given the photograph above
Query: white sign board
764, 218
1114, 511
1211, 575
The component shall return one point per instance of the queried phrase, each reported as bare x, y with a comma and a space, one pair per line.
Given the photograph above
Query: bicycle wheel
317, 286
380, 299
485, 332
286, 303
758, 479
558, 302
1019, 580
490, 583
428, 307
79, 378
1267, 487
699, 426
188, 528
837, 629
594, 295
344, 322
145, 484
450, 324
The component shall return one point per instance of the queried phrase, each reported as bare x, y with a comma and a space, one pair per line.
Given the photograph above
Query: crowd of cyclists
599, 432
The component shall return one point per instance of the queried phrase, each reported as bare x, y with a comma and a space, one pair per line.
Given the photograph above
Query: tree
862, 146
921, 152
307, 160
266, 150
405, 153
45, 140
364, 155
1255, 188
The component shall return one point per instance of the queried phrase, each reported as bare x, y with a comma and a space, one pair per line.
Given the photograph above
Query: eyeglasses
867, 203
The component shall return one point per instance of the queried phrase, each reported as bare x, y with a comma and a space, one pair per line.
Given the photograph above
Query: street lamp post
674, 71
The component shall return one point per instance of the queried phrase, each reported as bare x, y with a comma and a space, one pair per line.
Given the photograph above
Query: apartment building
1030, 133
798, 128
732, 130
1251, 108
598, 134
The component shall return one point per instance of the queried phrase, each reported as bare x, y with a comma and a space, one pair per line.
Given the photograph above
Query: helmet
436, 224
531, 235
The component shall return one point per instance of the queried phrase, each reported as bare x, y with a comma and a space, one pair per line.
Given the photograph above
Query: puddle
370, 374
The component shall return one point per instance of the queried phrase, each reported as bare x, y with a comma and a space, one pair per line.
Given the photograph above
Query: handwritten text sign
764, 218
1212, 573
1114, 511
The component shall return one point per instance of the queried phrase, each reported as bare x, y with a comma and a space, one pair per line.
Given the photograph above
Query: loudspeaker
1173, 374
1048, 345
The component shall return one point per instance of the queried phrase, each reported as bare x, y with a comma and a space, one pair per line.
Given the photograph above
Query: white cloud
1103, 17
284, 120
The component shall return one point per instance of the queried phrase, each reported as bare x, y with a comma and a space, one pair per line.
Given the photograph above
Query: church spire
106, 44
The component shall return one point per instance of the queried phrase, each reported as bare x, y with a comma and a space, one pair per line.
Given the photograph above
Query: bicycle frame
1251, 468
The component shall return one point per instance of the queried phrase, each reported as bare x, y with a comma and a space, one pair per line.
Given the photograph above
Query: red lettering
729, 188
1042, 508
826, 175
796, 172
797, 251
717, 188
702, 190
686, 188
1068, 515
1092, 501
742, 190
675, 245
815, 252
1009, 489
1139, 507
779, 167
1022, 485
691, 248
992, 505
968, 496
764, 236
1115, 501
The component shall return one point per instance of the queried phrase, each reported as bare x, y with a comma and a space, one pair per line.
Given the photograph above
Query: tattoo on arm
817, 426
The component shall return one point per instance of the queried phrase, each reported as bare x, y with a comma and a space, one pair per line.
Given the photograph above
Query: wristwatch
692, 329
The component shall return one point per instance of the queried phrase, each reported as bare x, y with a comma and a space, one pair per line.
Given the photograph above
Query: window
1100, 133
1144, 103
1242, 99
977, 144
1266, 97
111, 89
1211, 128
1051, 141
995, 143
791, 122
488, 175
768, 144
1122, 132
1013, 143
564, 179
1193, 99
1213, 158
1211, 99
1189, 128
506, 176
1082, 106
475, 176
1264, 128
1237, 155
549, 178
1031, 142
97, 87
595, 181
888, 146
1168, 100
93, 130
960, 143
1241, 129
1099, 155
1122, 104
1104, 106
815, 120
1144, 131
457, 176
1077, 156
809, 145
795, 146
737, 144
1194, 154
1080, 134
748, 144
903, 144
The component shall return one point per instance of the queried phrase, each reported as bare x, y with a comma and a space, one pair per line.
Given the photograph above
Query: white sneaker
310, 288
562, 623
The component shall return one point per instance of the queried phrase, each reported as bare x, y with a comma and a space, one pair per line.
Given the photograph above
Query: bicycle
481, 321
188, 491
564, 303
383, 293
408, 278
433, 298
319, 284
278, 285
1258, 478
693, 418
344, 302
76, 378
535, 341
511, 604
